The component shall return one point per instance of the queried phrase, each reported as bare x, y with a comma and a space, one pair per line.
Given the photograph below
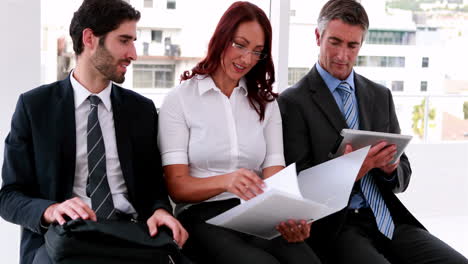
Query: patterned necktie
98, 186
369, 188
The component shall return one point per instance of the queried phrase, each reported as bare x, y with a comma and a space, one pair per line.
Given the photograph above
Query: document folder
313, 194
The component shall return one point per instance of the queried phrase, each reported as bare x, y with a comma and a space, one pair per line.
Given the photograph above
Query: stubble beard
104, 62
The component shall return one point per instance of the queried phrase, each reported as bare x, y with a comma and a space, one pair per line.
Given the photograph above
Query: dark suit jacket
39, 159
312, 123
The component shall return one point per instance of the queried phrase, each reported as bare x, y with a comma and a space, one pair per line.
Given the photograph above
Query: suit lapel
122, 123
324, 99
66, 133
364, 95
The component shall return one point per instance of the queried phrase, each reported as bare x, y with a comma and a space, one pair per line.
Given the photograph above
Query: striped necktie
368, 187
98, 187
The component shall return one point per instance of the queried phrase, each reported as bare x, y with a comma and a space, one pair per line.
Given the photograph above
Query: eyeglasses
243, 50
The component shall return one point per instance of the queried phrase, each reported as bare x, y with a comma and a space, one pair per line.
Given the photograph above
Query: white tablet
361, 138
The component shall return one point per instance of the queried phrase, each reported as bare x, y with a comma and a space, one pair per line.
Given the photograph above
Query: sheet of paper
285, 181
260, 215
331, 182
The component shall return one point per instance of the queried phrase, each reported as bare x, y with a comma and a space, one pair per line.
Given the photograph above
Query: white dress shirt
215, 134
106, 120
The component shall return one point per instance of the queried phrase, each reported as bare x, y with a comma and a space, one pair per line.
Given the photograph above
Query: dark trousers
361, 242
212, 244
41, 256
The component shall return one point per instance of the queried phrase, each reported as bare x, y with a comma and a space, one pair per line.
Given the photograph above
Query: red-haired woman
220, 134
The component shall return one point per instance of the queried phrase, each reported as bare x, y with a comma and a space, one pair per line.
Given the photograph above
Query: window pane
171, 4
148, 3
142, 79
164, 76
425, 62
375, 36
295, 74
380, 61
403, 50
411, 112
423, 86
153, 76
397, 86
172, 37
156, 36
447, 118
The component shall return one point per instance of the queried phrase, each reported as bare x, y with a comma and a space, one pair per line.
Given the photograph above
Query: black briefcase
83, 241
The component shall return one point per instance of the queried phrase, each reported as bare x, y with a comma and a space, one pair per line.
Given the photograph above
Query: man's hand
390, 168
294, 231
73, 208
379, 156
162, 218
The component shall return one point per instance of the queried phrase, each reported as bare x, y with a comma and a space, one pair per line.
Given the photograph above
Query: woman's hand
294, 231
244, 183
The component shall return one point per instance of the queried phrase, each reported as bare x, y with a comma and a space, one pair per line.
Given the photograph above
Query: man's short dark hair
101, 16
349, 11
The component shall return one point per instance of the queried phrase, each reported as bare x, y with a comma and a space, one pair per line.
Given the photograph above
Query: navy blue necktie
98, 187
369, 188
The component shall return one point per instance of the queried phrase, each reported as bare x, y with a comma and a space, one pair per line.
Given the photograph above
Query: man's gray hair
349, 11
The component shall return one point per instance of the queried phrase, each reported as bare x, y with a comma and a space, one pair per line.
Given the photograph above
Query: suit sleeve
162, 199
295, 136
400, 179
20, 183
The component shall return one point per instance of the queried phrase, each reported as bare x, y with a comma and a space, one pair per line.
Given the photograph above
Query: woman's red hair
262, 76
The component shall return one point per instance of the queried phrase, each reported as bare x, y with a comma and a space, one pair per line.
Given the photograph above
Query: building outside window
397, 86
391, 37
148, 3
295, 74
171, 4
153, 75
425, 62
423, 86
380, 61
156, 36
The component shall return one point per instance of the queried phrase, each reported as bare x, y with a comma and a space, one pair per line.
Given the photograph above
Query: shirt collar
206, 83
333, 82
81, 93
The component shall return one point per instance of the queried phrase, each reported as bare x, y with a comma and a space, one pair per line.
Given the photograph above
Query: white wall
438, 191
20, 29
439, 186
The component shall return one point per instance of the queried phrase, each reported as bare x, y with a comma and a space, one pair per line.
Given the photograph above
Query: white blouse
213, 134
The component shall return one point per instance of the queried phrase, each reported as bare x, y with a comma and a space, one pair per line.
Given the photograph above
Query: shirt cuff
390, 177
44, 226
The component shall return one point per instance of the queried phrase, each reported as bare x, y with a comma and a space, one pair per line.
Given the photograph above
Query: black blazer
40, 152
312, 123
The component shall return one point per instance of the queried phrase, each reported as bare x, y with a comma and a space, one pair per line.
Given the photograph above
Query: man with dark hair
84, 147
375, 227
